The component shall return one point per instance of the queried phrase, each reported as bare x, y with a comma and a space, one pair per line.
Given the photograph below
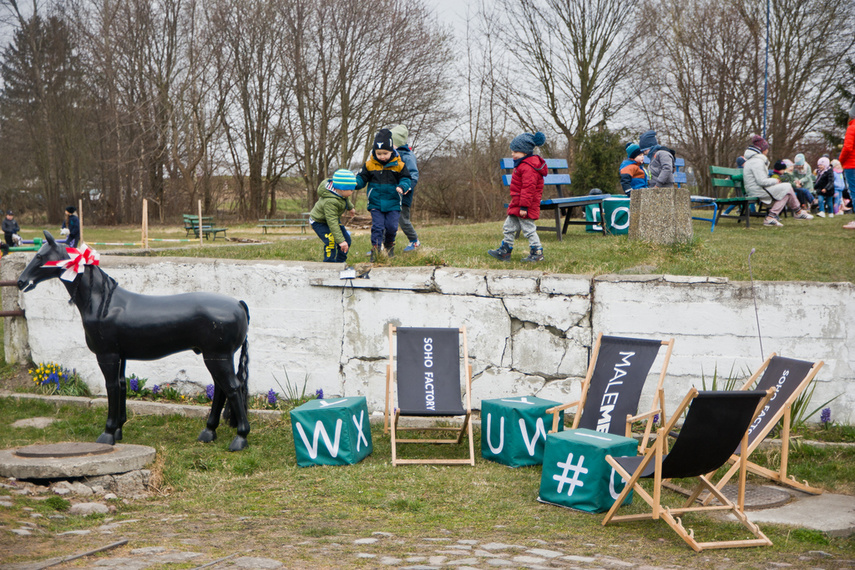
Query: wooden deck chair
789, 377
612, 387
427, 382
714, 425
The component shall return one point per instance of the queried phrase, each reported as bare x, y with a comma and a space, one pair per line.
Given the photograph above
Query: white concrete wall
528, 333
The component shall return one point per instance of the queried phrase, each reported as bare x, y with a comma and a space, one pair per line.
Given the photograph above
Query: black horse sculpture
121, 325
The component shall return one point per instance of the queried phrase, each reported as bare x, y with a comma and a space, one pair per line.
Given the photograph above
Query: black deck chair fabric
714, 426
785, 375
790, 377
428, 372
427, 381
621, 370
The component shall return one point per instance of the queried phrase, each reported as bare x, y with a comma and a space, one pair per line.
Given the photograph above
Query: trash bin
616, 209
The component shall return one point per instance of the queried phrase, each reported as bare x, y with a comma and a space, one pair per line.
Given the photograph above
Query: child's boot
535, 254
375, 254
502, 253
390, 250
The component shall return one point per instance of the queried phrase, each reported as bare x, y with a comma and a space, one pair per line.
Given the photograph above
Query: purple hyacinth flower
271, 397
319, 393
135, 384
656, 419
156, 389
209, 391
825, 415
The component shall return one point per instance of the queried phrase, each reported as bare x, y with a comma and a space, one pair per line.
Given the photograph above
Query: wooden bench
561, 206
191, 224
301, 221
729, 195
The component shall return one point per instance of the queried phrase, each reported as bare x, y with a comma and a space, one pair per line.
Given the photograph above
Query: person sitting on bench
758, 184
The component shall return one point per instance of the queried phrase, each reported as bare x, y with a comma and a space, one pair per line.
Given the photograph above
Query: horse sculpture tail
242, 376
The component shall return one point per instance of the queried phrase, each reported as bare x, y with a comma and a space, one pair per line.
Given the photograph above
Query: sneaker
770, 221
802, 215
413, 245
502, 253
831, 215
536, 254
820, 214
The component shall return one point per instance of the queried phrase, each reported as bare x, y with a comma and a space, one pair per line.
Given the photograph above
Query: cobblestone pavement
412, 554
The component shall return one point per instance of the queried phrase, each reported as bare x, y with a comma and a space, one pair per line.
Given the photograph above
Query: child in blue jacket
388, 179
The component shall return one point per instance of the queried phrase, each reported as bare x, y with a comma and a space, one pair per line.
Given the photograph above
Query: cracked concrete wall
528, 333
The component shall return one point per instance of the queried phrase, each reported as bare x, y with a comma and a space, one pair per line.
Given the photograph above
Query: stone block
661, 215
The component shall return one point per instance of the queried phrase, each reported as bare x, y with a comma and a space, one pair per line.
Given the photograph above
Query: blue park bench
561, 206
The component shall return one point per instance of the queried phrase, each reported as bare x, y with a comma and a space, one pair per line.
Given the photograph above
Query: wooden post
201, 233
80, 220
145, 223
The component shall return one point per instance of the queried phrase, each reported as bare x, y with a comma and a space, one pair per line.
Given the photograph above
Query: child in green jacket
333, 201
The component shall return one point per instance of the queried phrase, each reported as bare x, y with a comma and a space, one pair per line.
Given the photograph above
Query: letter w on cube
427, 381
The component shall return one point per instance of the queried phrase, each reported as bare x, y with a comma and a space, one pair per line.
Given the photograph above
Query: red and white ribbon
79, 259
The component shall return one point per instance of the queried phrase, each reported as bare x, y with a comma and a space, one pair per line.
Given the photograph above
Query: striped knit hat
343, 180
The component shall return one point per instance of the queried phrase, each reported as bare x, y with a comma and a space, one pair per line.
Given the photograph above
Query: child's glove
63, 232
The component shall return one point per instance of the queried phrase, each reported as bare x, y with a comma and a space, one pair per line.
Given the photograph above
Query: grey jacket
661, 167
757, 181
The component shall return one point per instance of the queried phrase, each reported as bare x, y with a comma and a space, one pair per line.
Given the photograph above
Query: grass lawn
815, 250
221, 502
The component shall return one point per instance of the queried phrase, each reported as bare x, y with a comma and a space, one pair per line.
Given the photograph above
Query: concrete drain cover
70, 449
73, 459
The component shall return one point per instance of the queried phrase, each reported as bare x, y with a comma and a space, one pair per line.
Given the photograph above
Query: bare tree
355, 72
696, 80
41, 104
573, 58
808, 43
253, 40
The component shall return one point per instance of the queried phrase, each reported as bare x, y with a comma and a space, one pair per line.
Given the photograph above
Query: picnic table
295, 221
191, 225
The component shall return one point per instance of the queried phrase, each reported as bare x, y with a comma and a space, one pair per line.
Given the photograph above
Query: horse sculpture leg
209, 434
112, 368
222, 370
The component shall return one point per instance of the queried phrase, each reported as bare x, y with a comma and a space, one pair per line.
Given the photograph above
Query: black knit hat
383, 140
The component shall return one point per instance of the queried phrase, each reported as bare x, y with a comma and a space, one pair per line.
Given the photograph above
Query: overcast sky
453, 11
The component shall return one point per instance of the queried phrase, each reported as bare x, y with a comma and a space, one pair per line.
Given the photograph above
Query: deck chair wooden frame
657, 406
775, 373
713, 434
392, 417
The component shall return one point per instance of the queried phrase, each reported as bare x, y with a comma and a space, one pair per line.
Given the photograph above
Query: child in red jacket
847, 159
526, 192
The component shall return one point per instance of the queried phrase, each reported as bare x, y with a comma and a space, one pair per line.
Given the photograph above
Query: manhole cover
70, 449
759, 496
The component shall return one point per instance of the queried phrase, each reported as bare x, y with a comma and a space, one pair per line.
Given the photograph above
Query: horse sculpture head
36, 271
